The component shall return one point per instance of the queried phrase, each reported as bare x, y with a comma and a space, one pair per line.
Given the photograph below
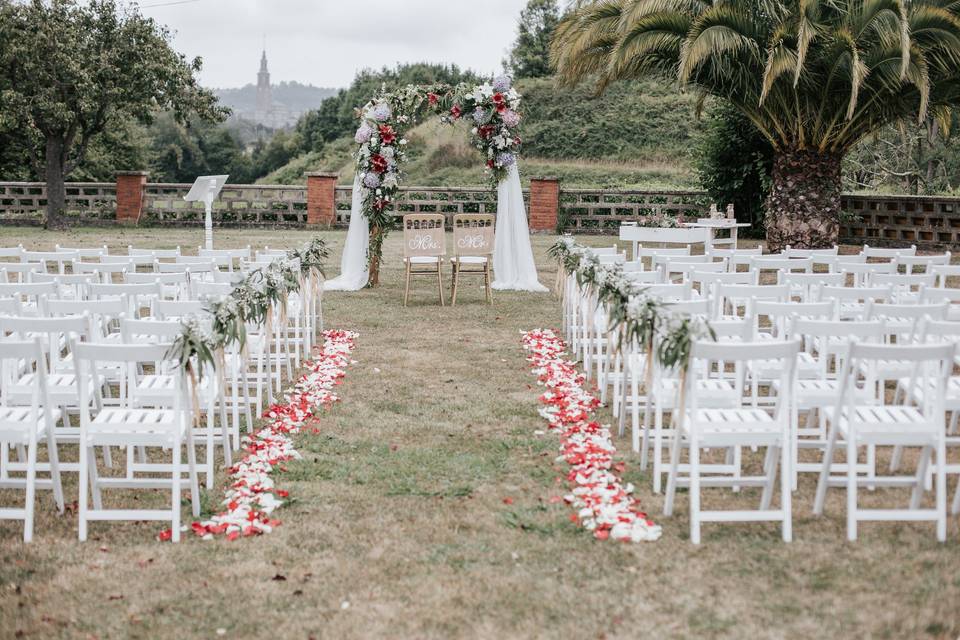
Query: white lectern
206, 189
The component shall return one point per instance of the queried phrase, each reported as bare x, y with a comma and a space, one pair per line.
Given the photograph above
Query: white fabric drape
513, 266
353, 263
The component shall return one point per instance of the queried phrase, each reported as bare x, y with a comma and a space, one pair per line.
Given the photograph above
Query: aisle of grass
422, 509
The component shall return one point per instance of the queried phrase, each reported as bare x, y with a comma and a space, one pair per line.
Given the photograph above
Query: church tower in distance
264, 95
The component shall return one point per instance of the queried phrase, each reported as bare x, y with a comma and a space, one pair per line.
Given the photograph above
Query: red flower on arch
378, 163
387, 134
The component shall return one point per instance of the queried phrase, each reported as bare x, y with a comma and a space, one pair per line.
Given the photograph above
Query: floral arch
493, 108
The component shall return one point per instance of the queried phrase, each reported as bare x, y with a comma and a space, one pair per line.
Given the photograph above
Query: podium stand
206, 189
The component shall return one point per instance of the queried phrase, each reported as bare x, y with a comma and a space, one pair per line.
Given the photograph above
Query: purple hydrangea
363, 133
510, 118
381, 112
479, 115
371, 181
506, 159
502, 83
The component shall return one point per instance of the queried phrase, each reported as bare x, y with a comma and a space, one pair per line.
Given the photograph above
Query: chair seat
469, 259
807, 367
887, 424
17, 423
730, 426
918, 391
711, 392
62, 388
146, 426
423, 259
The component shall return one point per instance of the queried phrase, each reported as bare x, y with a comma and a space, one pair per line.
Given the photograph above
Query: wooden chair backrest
423, 235
473, 234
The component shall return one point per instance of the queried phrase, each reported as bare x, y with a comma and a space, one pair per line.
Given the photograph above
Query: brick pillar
321, 199
130, 190
544, 204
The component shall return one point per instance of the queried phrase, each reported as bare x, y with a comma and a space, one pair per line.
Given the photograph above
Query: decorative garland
493, 109
256, 299
634, 317
251, 496
604, 504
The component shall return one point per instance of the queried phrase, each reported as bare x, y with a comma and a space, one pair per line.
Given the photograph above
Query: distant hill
295, 97
638, 134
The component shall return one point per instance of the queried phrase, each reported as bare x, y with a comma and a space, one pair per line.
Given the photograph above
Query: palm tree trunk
803, 207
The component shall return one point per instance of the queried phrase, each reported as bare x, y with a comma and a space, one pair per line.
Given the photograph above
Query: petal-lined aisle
251, 495
604, 504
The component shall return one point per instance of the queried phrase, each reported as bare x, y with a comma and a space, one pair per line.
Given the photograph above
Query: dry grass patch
399, 511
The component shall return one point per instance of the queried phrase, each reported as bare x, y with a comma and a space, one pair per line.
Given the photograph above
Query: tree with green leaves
733, 161
530, 54
70, 70
814, 77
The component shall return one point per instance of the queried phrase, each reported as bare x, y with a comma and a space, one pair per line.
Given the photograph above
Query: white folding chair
922, 264
825, 345
93, 253
853, 301
716, 391
161, 420
884, 253
855, 424
26, 427
48, 258
906, 287
701, 426
209, 392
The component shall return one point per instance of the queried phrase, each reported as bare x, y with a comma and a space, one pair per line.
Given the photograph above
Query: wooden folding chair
424, 246
472, 246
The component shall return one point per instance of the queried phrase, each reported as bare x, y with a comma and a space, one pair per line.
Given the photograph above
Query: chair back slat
423, 235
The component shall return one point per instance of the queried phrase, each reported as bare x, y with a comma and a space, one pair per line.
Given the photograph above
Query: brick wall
321, 199
130, 185
544, 204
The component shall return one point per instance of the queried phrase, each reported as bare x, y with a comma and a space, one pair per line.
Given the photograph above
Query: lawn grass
399, 526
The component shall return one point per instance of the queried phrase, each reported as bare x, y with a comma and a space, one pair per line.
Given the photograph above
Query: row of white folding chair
860, 418
35, 399
824, 336
139, 330
57, 332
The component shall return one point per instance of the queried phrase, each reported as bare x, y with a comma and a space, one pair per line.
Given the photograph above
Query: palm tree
813, 76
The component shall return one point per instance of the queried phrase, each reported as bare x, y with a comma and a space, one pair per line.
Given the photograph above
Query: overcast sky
324, 42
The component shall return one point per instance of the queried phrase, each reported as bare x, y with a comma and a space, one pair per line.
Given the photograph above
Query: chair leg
941, 499
672, 477
406, 289
824, 480
54, 457
82, 484
922, 465
455, 277
175, 478
440, 283
786, 504
694, 492
31, 492
955, 507
851, 490
192, 472
770, 466
225, 432
486, 281
94, 476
